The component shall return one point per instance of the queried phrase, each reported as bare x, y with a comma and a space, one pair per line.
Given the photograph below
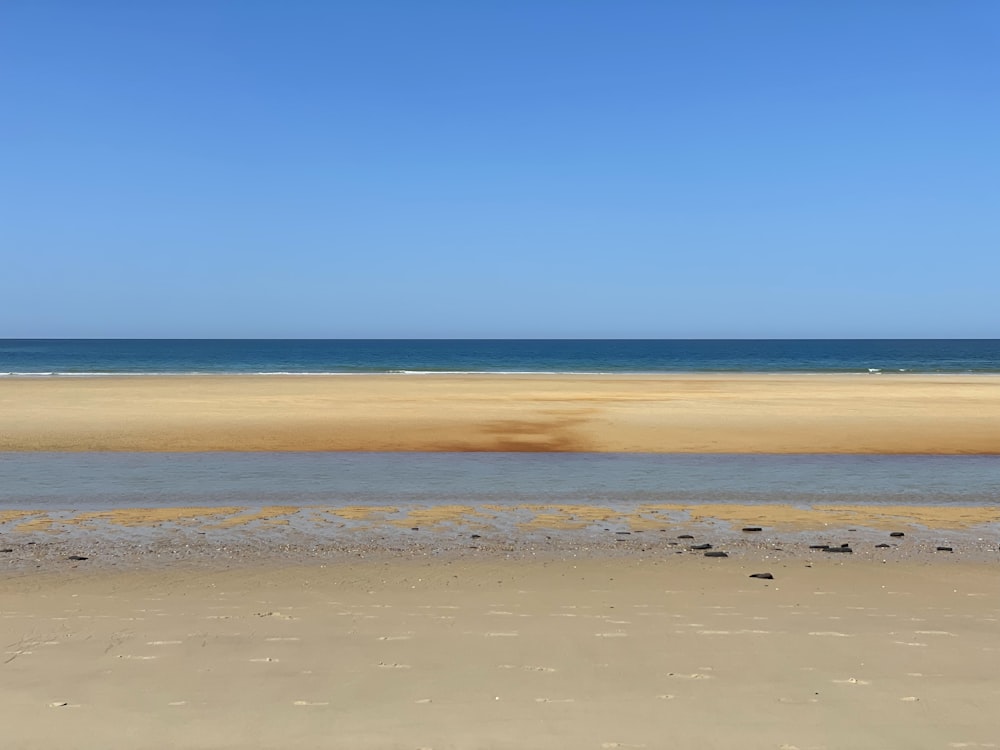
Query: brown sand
620, 637
663, 413
633, 652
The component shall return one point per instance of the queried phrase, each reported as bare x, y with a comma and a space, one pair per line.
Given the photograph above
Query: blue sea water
250, 356
94, 481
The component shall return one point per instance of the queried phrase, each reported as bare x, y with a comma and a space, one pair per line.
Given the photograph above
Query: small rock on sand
765, 576
716, 553
700, 547
752, 528
896, 533
77, 558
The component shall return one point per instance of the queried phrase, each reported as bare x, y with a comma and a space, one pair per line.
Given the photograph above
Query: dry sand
662, 413
641, 651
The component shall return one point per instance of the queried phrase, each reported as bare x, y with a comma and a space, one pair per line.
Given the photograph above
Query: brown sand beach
479, 626
397, 651
579, 626
662, 413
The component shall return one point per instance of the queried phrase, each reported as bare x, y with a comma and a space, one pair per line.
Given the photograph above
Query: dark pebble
685, 536
623, 533
77, 557
882, 546
765, 576
716, 553
477, 536
819, 546
414, 528
945, 549
701, 546
848, 550
6, 550
752, 528
896, 533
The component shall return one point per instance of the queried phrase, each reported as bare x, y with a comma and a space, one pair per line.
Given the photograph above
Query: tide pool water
251, 356
96, 481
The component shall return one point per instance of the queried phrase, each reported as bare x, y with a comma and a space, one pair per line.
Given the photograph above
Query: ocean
82, 357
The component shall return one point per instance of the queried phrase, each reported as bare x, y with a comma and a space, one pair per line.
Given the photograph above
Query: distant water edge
96, 357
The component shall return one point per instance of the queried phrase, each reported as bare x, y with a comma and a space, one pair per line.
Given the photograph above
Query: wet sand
598, 651
627, 413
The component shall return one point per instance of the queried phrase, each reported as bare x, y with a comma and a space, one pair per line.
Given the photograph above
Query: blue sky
500, 169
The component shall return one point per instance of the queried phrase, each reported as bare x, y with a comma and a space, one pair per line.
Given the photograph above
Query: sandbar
691, 413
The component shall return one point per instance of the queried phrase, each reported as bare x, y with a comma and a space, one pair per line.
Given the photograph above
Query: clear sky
507, 168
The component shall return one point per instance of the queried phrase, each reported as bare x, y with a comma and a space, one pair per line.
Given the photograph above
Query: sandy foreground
627, 651
662, 413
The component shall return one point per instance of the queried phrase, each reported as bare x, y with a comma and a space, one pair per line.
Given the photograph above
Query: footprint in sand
276, 615
526, 668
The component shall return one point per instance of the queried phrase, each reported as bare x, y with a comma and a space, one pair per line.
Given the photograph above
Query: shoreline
38, 542
663, 413
871, 372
